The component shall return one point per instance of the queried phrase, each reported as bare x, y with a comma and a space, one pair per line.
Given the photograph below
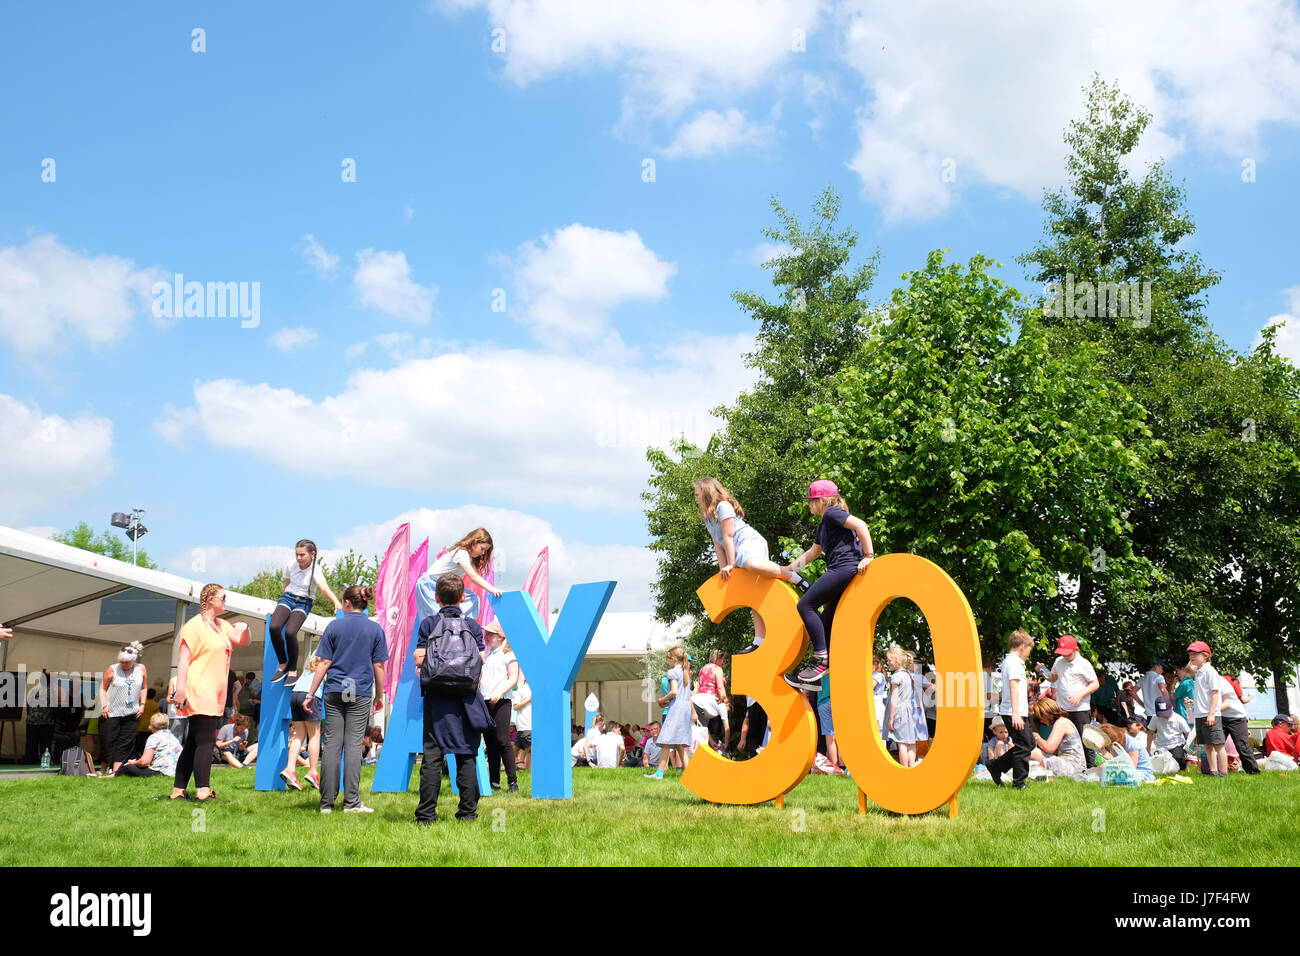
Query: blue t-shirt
353, 644
427, 625
840, 546
1144, 768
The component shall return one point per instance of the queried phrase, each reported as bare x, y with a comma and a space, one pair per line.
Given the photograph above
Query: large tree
1007, 465
1111, 230
815, 323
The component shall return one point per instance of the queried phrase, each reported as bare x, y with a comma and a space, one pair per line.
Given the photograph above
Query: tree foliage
817, 320
110, 545
1007, 465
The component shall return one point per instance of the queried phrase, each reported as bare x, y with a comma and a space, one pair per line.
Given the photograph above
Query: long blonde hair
477, 536
677, 655
714, 492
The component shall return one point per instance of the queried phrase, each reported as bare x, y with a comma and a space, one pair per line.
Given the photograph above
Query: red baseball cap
1199, 646
823, 488
1066, 644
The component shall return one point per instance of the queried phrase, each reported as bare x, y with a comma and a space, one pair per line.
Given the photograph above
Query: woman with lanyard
302, 578
121, 699
200, 694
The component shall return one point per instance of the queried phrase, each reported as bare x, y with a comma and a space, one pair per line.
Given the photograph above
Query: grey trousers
345, 726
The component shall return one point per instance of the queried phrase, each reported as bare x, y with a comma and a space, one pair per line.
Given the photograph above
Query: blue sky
379, 384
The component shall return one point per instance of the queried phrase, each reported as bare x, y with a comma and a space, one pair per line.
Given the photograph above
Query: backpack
452, 663
74, 762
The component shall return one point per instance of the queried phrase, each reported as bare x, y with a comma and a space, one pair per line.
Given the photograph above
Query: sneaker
359, 808
326, 809
314, 780
290, 780
495, 786
279, 674
514, 788
657, 775
799, 685
748, 650
813, 674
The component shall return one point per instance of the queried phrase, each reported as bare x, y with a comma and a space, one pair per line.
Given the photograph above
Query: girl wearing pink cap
846, 542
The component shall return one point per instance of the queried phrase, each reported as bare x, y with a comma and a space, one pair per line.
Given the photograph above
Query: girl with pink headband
846, 542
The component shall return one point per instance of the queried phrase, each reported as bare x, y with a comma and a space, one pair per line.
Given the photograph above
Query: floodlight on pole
134, 529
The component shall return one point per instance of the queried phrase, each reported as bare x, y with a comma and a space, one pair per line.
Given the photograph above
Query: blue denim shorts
295, 603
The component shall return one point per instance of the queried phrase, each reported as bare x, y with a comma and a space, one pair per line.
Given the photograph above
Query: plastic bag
1279, 761
1119, 772
1163, 763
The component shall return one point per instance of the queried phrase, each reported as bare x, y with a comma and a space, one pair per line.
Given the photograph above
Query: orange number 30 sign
787, 758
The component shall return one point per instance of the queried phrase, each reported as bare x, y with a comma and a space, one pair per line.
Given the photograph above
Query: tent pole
176, 637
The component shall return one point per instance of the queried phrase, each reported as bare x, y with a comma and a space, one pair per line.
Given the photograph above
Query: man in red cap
1076, 682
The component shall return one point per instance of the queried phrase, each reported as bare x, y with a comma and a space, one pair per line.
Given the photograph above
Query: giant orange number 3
789, 754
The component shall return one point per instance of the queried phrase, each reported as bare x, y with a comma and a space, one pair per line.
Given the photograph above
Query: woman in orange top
201, 672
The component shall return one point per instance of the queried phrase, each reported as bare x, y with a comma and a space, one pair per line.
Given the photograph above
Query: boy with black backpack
448, 656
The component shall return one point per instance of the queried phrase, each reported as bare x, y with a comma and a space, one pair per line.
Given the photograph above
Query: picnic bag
1119, 772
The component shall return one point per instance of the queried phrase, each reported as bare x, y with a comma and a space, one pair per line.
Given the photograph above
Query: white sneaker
359, 808
326, 809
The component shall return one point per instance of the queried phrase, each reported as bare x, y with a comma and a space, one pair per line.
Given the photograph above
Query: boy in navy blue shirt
452, 725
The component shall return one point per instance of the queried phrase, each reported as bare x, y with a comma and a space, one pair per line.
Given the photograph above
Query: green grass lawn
617, 817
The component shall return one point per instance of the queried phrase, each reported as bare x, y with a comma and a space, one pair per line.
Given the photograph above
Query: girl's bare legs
297, 734
907, 754
313, 747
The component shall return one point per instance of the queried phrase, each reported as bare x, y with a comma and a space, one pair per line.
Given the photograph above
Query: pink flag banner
485, 612
538, 585
397, 651
391, 587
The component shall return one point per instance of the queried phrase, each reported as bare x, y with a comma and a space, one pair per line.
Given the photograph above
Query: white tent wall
620, 700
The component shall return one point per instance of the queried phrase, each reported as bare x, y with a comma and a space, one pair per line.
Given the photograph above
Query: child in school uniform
1014, 710
1207, 701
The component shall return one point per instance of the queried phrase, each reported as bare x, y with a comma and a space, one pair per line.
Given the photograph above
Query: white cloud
174, 425
47, 458
992, 85
570, 280
298, 337
668, 52
322, 261
765, 252
503, 424
51, 296
517, 537
408, 212
713, 132
383, 281
1287, 342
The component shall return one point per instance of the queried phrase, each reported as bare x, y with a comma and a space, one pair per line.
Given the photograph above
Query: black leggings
196, 755
117, 734
826, 590
135, 770
284, 634
499, 747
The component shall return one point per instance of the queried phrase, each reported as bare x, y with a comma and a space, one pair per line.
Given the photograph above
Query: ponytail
358, 595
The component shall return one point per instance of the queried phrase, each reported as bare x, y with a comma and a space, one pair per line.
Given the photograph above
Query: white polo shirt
1071, 678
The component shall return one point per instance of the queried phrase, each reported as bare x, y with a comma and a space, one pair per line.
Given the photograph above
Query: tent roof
622, 640
55, 590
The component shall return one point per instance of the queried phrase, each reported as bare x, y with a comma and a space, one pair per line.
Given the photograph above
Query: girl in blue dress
901, 721
676, 733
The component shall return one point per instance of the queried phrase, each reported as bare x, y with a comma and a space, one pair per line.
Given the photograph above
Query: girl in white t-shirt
736, 544
470, 557
302, 579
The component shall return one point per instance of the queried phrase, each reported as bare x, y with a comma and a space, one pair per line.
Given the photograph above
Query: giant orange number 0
789, 755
